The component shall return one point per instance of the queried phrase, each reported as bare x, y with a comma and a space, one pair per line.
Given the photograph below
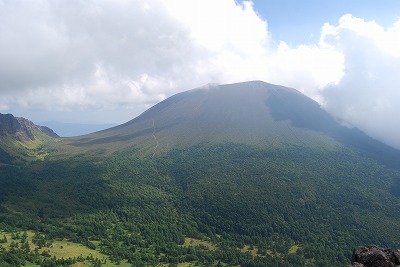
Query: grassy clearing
29, 264
185, 264
253, 250
293, 249
66, 249
8, 237
61, 249
192, 264
189, 241
27, 150
108, 264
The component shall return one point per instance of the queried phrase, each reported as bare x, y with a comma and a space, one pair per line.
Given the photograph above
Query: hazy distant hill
246, 174
75, 129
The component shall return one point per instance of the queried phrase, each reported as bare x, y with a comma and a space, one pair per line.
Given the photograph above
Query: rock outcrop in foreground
373, 256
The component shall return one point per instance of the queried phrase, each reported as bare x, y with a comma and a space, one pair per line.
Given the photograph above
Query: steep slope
21, 139
21, 128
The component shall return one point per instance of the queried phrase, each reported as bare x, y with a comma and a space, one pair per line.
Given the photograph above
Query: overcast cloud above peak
368, 93
110, 60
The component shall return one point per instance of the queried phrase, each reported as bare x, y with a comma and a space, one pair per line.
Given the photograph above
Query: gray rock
374, 256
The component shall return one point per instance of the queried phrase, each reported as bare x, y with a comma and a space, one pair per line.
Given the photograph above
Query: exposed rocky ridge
373, 256
21, 128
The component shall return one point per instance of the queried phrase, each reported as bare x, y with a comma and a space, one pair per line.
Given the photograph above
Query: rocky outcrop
21, 128
373, 256
48, 131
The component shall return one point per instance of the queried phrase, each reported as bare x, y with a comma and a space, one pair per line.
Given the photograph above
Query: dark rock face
8, 124
373, 256
21, 128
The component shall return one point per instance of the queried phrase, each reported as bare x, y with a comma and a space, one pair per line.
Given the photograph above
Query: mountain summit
252, 112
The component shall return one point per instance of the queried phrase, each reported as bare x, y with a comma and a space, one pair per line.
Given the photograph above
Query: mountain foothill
244, 174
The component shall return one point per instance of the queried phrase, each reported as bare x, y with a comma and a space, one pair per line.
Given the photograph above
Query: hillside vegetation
302, 194
141, 209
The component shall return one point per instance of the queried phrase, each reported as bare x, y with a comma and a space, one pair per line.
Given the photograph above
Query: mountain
213, 114
21, 139
22, 129
246, 174
254, 112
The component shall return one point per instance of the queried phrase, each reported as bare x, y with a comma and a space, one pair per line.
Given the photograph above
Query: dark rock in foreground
373, 256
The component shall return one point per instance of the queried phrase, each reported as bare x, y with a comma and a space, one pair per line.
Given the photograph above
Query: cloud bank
368, 93
117, 55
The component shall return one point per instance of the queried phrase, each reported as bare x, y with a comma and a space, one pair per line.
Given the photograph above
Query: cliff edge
21, 128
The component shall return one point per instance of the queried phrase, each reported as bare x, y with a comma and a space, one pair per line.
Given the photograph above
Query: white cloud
115, 55
91, 54
368, 93
106, 54
307, 68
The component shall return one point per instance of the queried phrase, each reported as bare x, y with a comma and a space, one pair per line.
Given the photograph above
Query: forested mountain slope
248, 174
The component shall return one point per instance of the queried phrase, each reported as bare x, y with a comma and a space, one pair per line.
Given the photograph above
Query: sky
102, 62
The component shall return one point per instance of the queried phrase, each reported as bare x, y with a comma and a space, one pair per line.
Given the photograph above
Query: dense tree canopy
238, 204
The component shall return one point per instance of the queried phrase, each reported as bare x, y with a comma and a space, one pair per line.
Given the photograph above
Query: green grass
293, 249
252, 250
62, 249
30, 264
189, 241
66, 249
37, 149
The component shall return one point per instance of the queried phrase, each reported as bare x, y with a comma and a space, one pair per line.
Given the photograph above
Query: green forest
203, 205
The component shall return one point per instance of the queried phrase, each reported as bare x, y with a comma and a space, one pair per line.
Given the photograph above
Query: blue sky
104, 61
299, 22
